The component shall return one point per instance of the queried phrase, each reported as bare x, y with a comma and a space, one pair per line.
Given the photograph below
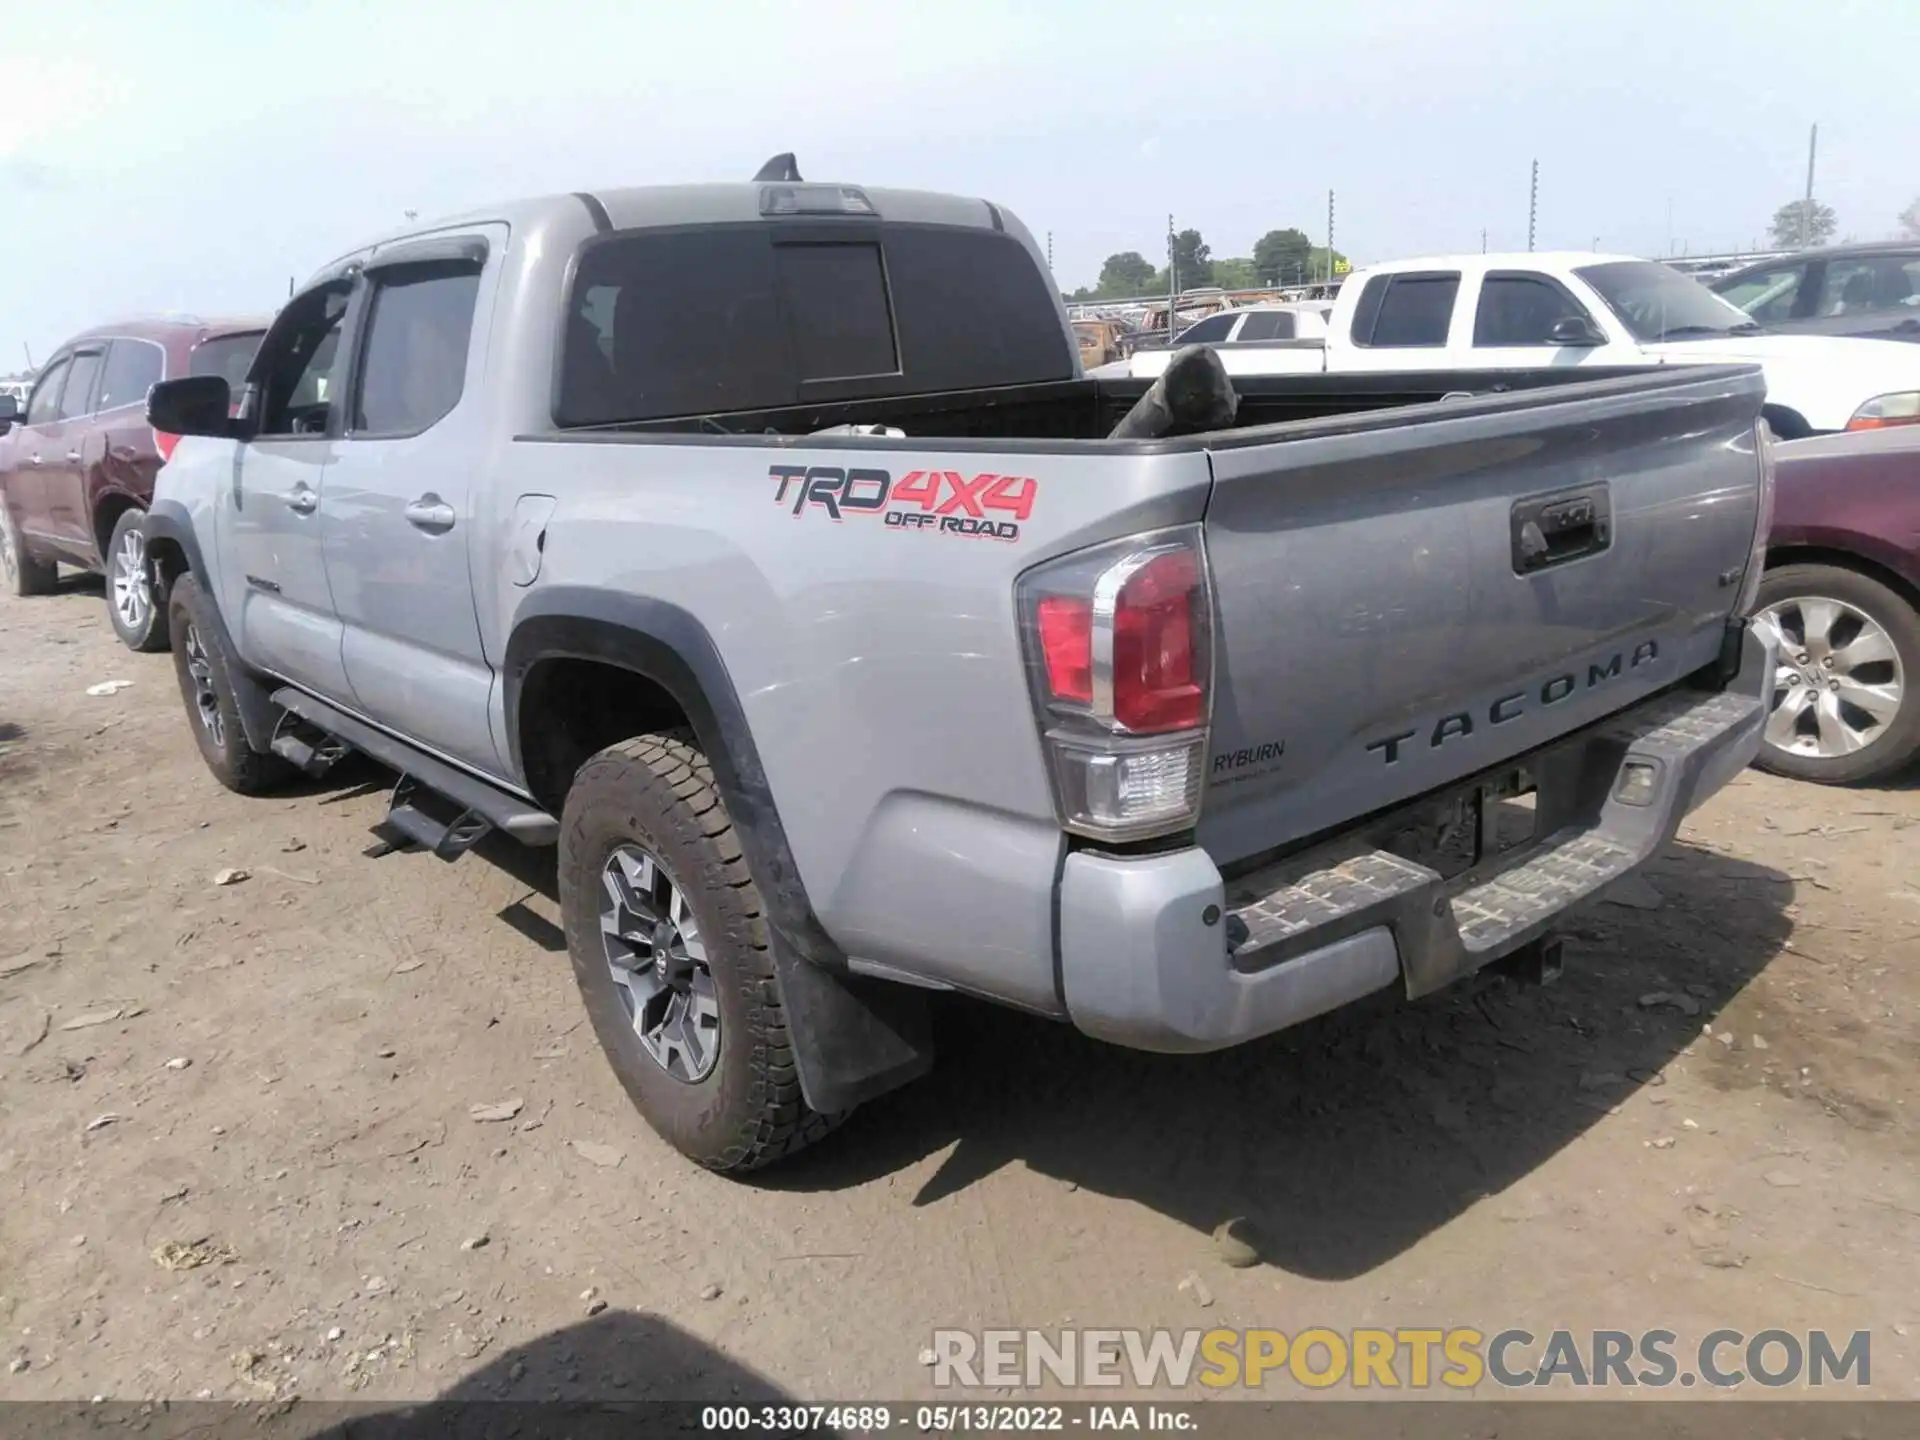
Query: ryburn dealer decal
941, 502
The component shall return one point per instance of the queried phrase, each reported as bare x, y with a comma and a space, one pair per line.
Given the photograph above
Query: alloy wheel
1839, 683
131, 582
206, 701
658, 960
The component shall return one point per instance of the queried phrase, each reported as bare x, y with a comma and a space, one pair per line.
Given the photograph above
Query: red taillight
1118, 642
1066, 646
164, 443
1155, 684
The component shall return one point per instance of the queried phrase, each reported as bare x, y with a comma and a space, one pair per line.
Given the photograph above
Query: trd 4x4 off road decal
940, 501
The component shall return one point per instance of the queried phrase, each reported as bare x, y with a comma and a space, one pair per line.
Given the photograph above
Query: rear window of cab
664, 324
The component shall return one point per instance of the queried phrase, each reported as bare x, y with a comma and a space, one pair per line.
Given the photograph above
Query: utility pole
1533, 203
1806, 207
1173, 280
1483, 239
1329, 237
1049, 250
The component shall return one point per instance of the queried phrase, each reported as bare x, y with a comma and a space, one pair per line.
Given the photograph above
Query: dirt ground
238, 1155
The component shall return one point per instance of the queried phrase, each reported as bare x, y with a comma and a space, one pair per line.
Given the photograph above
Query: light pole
1533, 203
1806, 206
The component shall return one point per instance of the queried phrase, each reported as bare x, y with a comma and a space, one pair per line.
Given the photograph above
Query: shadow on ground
1347, 1139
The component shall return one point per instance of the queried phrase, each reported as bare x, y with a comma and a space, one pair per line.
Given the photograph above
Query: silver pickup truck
764, 547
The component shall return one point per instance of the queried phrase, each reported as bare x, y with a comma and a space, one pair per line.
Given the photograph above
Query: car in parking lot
78, 459
1871, 291
1842, 595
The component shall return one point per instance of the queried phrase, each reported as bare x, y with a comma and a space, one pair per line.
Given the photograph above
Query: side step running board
310, 748
437, 806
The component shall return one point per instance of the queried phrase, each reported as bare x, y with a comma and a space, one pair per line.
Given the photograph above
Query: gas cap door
527, 538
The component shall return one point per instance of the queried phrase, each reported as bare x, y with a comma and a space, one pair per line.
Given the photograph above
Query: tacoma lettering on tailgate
1507, 708
940, 501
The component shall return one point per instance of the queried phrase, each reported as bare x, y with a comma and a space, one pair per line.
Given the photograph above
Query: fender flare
854, 1037
167, 522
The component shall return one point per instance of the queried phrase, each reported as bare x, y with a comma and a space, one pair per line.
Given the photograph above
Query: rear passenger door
399, 517
119, 453
1402, 320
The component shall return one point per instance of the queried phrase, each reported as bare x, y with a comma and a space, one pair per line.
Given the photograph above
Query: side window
295, 366
133, 368
43, 408
1412, 309
1881, 282
414, 365
1267, 325
674, 323
77, 398
1521, 310
227, 356
1769, 296
1210, 331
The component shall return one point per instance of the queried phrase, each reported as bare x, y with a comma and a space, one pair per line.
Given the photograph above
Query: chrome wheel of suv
659, 964
1839, 684
206, 701
131, 583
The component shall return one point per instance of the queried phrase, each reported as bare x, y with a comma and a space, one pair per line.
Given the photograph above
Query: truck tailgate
1407, 598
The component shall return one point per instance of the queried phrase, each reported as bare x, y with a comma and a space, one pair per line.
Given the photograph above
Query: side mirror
193, 405
9, 412
1575, 330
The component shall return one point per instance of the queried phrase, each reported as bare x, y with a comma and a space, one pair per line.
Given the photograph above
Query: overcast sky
194, 155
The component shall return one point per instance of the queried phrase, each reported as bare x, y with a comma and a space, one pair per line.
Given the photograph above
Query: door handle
431, 514
35, 458
303, 500
73, 457
1552, 529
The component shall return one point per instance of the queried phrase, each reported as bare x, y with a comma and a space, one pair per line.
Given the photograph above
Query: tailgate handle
1550, 530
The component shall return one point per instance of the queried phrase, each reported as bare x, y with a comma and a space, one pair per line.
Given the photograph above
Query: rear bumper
1161, 953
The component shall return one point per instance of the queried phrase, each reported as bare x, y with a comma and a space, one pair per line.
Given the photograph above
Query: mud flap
854, 1038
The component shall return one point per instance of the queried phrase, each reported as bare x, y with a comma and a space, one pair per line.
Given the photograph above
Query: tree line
1280, 257
1288, 257
1803, 224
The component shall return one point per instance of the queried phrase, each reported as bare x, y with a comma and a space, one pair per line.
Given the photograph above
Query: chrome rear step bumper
1141, 964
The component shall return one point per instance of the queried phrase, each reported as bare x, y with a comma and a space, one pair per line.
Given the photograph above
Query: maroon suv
77, 463
1842, 589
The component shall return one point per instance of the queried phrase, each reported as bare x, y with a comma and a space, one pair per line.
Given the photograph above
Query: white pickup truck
1519, 311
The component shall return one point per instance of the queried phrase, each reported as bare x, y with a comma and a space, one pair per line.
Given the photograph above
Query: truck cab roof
642, 207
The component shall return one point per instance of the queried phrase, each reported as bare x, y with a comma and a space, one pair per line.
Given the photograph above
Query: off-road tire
150, 637
656, 792
234, 763
1899, 745
20, 573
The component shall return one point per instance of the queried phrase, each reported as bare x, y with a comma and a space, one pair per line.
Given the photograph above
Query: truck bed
1087, 409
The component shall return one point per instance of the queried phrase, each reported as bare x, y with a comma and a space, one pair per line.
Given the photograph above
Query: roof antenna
780, 167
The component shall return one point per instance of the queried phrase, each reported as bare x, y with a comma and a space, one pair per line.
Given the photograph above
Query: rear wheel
135, 601
669, 943
19, 571
202, 665
1843, 707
